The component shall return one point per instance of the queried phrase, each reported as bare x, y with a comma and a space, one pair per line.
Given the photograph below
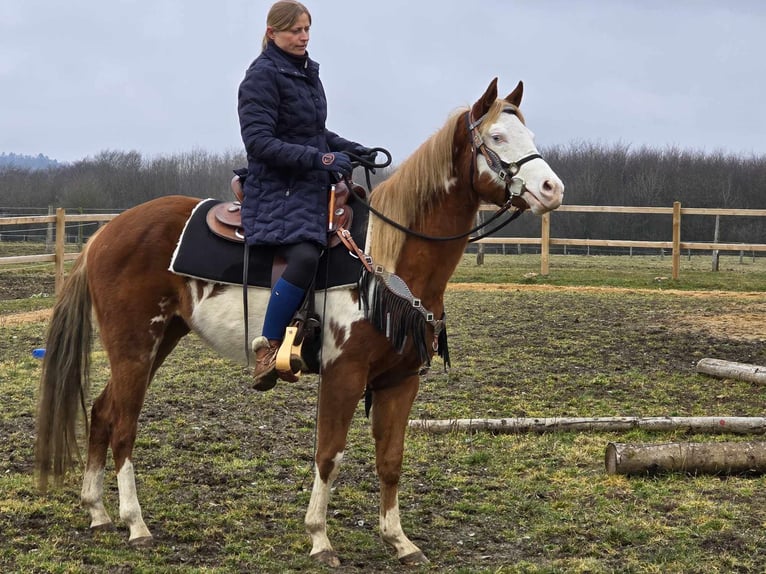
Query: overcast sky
161, 76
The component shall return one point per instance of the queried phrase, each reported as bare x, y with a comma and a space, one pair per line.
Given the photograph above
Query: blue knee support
284, 302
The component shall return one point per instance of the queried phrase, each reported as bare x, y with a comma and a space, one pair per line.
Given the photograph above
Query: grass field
644, 271
224, 472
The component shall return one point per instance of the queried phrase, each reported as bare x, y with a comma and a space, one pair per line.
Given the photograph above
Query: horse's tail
65, 382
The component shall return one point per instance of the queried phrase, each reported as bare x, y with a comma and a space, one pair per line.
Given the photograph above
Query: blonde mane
410, 191
494, 113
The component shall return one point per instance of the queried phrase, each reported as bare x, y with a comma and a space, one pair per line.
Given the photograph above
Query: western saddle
225, 221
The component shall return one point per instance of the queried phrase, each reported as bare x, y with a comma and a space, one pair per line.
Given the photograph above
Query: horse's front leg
390, 413
341, 388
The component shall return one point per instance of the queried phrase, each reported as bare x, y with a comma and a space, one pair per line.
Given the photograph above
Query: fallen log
732, 370
718, 458
736, 425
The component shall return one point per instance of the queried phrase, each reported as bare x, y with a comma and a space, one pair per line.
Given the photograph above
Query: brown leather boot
265, 374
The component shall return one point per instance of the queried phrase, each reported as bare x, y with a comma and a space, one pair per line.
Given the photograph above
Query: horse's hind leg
93, 480
390, 412
114, 419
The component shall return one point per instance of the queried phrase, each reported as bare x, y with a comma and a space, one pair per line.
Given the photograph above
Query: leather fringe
392, 309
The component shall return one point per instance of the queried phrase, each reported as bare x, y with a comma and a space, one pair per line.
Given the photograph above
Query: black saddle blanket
203, 255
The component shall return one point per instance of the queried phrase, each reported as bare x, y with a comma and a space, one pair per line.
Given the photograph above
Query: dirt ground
22, 286
622, 338
744, 324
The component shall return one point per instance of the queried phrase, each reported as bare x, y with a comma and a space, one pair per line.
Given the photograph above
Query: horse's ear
515, 96
483, 104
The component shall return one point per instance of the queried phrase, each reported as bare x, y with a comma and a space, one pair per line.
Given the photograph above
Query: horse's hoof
327, 557
142, 542
414, 559
105, 527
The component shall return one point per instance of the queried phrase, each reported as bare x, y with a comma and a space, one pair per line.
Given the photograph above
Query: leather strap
245, 306
348, 241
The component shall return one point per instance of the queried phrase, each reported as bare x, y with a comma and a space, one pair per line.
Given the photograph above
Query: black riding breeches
302, 262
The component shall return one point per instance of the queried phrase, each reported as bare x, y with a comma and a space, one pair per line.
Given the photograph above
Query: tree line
597, 174
594, 174
39, 161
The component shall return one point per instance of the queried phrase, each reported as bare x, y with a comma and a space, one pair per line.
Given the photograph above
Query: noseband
514, 185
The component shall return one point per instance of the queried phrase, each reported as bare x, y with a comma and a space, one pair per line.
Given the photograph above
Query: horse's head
508, 165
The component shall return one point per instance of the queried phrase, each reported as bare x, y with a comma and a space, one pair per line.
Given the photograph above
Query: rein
505, 207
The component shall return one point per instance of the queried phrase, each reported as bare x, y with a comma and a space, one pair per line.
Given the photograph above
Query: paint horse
484, 153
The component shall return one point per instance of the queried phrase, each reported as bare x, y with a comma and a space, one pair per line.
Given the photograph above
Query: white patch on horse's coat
449, 183
92, 497
219, 319
341, 312
153, 352
316, 514
130, 509
511, 140
392, 534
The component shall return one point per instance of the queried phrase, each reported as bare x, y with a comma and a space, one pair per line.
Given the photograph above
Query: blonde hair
282, 16
410, 192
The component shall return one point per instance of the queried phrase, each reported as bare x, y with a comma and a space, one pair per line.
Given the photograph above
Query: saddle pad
203, 255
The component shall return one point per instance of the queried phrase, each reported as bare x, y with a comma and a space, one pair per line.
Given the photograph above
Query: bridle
514, 185
507, 172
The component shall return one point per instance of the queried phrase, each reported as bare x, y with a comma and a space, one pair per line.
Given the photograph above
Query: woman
292, 160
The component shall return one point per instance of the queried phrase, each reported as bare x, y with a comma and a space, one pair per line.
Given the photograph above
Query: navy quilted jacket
282, 113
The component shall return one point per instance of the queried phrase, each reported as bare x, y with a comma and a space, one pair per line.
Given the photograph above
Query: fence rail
674, 244
60, 219
545, 241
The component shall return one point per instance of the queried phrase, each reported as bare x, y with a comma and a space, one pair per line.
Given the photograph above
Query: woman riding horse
292, 160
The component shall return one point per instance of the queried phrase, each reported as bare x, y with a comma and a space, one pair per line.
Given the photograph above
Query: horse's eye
496, 138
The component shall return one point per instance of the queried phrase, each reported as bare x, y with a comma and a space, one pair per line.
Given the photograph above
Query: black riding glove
365, 154
336, 162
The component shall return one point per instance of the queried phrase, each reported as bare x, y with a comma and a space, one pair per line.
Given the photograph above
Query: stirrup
289, 361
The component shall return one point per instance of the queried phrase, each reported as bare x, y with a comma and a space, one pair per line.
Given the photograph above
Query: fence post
49, 231
60, 243
479, 244
79, 233
545, 243
676, 238
715, 240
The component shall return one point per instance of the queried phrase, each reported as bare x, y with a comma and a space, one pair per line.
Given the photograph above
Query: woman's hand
337, 162
365, 155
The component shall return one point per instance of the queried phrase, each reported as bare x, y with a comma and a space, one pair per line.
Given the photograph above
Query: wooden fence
675, 245
60, 220
545, 241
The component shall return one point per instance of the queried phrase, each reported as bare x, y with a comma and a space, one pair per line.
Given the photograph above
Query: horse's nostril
552, 186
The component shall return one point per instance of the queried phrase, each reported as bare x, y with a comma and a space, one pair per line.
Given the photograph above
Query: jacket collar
289, 63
